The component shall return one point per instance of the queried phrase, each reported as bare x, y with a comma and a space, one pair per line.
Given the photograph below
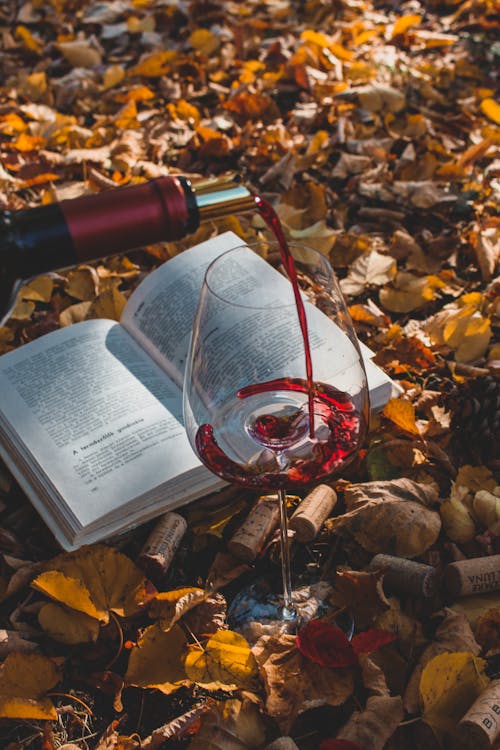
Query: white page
101, 435
160, 312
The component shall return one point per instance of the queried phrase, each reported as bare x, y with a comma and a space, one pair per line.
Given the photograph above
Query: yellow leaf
322, 40
204, 41
404, 23
24, 681
38, 289
68, 626
95, 580
69, 590
29, 41
136, 93
127, 116
154, 65
225, 663
402, 414
113, 75
158, 660
170, 606
491, 109
27, 142
449, 684
23, 310
407, 293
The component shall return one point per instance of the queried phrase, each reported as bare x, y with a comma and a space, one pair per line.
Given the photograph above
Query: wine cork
312, 511
407, 576
282, 743
480, 726
162, 543
474, 576
249, 539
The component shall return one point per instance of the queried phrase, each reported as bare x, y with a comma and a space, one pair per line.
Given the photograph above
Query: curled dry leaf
486, 507
372, 727
362, 593
390, 516
294, 684
24, 681
234, 724
458, 522
169, 606
373, 269
95, 580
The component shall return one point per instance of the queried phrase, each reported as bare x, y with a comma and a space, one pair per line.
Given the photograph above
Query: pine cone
475, 419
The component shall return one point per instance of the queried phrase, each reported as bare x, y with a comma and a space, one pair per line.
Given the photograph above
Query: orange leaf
491, 109
402, 414
404, 23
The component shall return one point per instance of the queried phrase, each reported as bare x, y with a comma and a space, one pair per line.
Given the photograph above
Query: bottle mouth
220, 196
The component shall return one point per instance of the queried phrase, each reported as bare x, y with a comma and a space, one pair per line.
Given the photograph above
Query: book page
100, 419
160, 312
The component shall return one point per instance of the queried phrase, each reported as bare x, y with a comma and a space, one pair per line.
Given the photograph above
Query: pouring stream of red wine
272, 220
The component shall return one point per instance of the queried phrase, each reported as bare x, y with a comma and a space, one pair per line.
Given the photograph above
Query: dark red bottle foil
117, 220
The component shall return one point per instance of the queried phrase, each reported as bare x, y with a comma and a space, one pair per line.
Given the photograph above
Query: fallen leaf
404, 23
390, 516
225, 663
361, 593
402, 414
449, 685
458, 522
329, 646
38, 289
95, 580
452, 635
371, 269
83, 283
80, 53
24, 681
231, 725
408, 292
169, 606
491, 109
157, 661
68, 626
294, 684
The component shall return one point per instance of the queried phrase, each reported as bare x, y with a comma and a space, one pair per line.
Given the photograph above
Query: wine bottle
92, 226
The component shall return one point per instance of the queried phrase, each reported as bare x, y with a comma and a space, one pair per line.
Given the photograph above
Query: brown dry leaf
23, 310
38, 289
75, 314
318, 236
487, 630
474, 607
390, 516
371, 269
373, 726
407, 629
401, 413
83, 283
110, 304
377, 97
169, 606
362, 593
449, 684
475, 478
487, 246
24, 681
453, 634
96, 580
486, 507
294, 684
80, 53
409, 292
232, 725
225, 663
208, 617
67, 626
179, 727
157, 661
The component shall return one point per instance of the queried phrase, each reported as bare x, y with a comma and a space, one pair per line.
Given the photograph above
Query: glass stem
286, 572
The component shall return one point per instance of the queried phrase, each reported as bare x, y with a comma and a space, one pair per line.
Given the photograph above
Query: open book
91, 415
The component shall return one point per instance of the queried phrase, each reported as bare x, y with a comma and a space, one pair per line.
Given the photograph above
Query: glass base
256, 610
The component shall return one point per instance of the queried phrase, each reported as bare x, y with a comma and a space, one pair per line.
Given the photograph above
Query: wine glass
275, 392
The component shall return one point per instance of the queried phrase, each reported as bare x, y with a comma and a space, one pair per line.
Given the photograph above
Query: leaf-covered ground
374, 130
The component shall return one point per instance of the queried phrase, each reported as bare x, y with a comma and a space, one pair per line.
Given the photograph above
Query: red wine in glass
260, 420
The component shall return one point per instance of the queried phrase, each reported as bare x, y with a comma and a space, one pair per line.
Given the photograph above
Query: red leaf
339, 745
371, 640
326, 644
